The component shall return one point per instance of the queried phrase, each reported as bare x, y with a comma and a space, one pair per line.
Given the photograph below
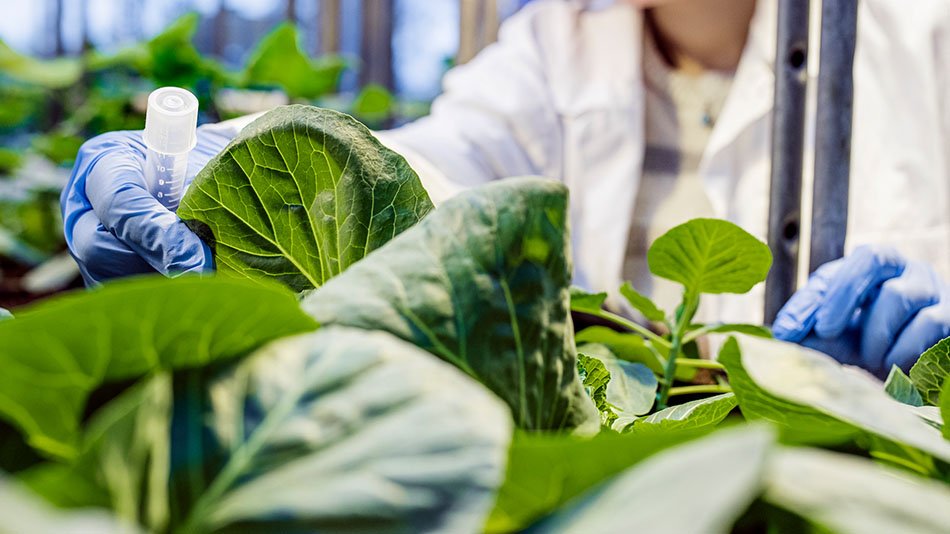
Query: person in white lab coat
652, 112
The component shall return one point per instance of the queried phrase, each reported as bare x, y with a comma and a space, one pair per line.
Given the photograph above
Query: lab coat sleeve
494, 119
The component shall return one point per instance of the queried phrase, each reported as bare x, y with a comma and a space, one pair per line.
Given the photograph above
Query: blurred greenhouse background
71, 69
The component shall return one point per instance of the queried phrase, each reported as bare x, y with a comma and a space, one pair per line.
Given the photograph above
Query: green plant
435, 384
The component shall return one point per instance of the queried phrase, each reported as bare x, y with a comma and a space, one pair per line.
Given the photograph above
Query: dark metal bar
788, 133
833, 131
377, 43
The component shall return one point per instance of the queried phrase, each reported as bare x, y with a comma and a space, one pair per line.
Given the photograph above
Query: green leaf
59, 351
482, 283
931, 371
703, 486
279, 60
373, 105
796, 423
731, 328
945, 409
700, 413
5, 314
802, 377
642, 303
595, 378
710, 256
24, 512
547, 470
900, 386
844, 493
346, 430
59, 148
630, 347
300, 195
629, 390
584, 302
56, 73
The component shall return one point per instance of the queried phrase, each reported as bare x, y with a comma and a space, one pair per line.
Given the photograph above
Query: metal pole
377, 51
329, 26
788, 133
833, 131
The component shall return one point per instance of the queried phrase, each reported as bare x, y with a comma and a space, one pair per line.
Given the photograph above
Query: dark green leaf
279, 60
900, 386
710, 256
300, 195
51, 73
802, 377
58, 147
844, 493
547, 470
702, 486
57, 352
582, 301
700, 413
931, 371
642, 303
482, 283
345, 430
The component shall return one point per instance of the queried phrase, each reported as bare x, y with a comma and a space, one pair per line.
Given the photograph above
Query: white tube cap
171, 121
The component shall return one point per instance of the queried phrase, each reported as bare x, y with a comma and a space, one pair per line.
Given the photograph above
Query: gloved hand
114, 227
872, 308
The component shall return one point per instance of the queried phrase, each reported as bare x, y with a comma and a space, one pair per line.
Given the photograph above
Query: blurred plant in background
52, 105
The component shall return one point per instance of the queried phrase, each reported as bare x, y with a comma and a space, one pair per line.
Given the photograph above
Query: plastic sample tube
171, 122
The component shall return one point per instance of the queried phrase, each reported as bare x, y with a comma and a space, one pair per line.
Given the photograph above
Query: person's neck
700, 35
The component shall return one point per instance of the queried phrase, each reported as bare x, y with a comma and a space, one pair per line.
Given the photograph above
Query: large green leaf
482, 283
56, 353
344, 430
931, 371
700, 413
710, 256
900, 386
52, 73
547, 470
807, 380
300, 195
703, 486
847, 494
279, 60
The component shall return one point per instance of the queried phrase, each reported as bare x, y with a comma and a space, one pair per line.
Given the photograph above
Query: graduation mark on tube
171, 122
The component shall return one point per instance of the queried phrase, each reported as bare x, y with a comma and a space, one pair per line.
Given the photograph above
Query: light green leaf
547, 470
807, 378
51, 73
347, 430
300, 195
642, 303
945, 408
595, 378
797, 423
4, 314
584, 302
730, 328
482, 283
56, 353
848, 494
629, 390
931, 371
21, 512
703, 486
631, 347
710, 256
279, 60
900, 386
700, 413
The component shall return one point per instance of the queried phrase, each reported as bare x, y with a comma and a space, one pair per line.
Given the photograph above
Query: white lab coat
561, 95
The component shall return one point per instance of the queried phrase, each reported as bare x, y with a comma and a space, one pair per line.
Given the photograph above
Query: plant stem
705, 388
683, 319
699, 364
626, 323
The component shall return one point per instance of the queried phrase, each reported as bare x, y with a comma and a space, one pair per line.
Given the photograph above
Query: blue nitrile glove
114, 227
872, 308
